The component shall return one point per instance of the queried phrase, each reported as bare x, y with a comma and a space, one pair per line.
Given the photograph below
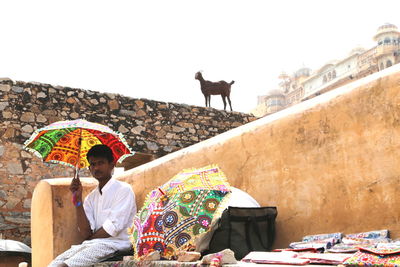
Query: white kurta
113, 209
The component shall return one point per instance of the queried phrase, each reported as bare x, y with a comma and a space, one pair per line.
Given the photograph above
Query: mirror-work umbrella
67, 142
174, 215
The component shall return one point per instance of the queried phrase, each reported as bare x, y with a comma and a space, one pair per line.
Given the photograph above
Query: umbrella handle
74, 200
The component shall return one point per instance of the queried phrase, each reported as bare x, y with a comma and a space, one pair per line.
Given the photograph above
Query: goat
214, 88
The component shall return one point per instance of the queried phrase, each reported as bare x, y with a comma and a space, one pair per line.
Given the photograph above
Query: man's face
100, 168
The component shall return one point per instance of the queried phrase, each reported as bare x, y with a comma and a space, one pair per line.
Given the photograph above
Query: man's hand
101, 233
76, 188
82, 221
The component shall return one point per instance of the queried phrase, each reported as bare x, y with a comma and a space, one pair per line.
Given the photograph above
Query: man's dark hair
100, 151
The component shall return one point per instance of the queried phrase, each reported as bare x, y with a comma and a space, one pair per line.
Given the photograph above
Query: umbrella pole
76, 175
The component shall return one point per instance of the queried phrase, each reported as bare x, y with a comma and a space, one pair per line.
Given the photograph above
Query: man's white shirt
113, 209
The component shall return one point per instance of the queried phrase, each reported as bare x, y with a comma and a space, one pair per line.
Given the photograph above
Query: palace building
305, 84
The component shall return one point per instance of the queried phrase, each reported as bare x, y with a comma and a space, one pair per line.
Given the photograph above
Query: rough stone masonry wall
151, 127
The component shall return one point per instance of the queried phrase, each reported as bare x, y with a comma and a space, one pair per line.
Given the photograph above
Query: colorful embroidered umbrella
180, 211
67, 142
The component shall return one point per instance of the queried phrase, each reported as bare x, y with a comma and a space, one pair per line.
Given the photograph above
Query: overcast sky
152, 49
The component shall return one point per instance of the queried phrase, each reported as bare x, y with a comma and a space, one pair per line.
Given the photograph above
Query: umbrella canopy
67, 142
178, 212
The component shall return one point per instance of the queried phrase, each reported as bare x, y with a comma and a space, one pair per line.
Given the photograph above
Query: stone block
3, 105
125, 112
139, 103
74, 115
41, 95
41, 118
94, 101
140, 113
27, 128
3, 194
138, 130
20, 192
71, 100
7, 115
151, 145
5, 87
113, 104
28, 117
27, 203
17, 89
15, 167
177, 129
19, 219
11, 203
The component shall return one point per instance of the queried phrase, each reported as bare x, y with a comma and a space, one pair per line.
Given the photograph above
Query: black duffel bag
244, 230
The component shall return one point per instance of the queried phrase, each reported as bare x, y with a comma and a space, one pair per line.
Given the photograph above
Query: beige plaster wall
53, 221
329, 164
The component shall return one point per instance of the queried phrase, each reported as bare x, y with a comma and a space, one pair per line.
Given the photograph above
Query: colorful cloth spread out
351, 242
67, 142
380, 234
320, 237
374, 257
178, 212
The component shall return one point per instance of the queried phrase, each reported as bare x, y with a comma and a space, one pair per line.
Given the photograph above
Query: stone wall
150, 127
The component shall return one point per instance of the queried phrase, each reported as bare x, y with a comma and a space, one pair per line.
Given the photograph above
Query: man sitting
104, 216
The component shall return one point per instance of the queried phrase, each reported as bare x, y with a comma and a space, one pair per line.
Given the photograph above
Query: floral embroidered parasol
174, 215
67, 142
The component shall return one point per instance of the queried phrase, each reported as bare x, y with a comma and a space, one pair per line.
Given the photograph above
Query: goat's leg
209, 101
229, 101
205, 97
223, 100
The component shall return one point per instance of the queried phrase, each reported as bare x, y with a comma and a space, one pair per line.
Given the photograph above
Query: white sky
152, 49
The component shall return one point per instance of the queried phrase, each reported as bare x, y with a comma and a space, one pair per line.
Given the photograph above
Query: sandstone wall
330, 164
150, 127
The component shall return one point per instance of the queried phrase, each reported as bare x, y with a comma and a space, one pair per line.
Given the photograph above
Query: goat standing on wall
214, 88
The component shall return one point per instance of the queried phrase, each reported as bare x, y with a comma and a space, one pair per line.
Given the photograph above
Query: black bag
244, 230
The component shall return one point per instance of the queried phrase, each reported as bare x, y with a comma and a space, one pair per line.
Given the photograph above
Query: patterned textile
370, 235
84, 255
180, 211
320, 245
311, 238
67, 142
374, 257
285, 257
351, 242
325, 258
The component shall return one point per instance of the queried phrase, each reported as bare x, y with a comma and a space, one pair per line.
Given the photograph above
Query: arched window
388, 63
324, 79
333, 74
381, 66
329, 76
387, 40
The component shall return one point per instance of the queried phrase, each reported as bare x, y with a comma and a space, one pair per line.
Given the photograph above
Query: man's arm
82, 221
101, 233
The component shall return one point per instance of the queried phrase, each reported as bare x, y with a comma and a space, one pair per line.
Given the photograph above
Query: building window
333, 74
329, 76
324, 79
388, 63
387, 40
381, 66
